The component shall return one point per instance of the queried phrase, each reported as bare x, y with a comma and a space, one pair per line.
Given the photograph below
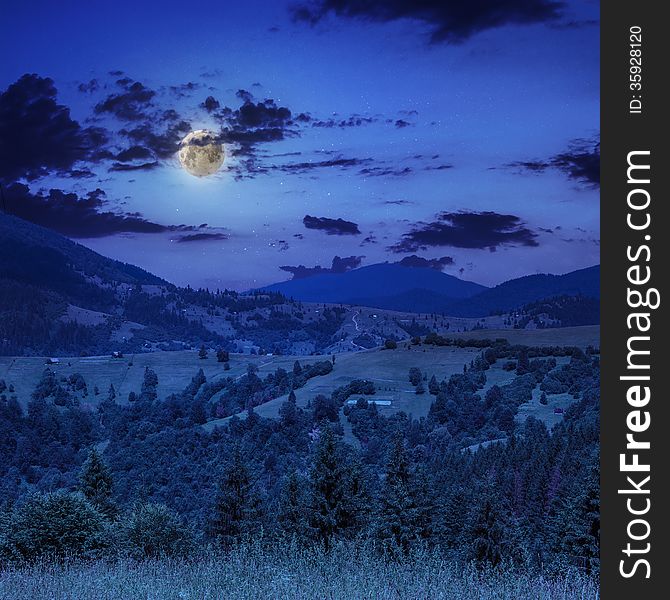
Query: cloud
386, 171
580, 162
78, 217
210, 104
450, 21
467, 230
331, 226
162, 143
89, 87
37, 135
352, 121
130, 105
426, 263
201, 237
304, 167
397, 202
185, 89
146, 166
339, 265
442, 167
133, 153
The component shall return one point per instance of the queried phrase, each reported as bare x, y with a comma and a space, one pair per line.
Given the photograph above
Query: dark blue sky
372, 131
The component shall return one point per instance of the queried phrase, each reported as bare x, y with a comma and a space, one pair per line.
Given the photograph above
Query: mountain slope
59, 298
394, 287
516, 292
31, 253
375, 281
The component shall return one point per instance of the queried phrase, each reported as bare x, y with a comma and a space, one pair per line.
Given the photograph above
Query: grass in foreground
289, 574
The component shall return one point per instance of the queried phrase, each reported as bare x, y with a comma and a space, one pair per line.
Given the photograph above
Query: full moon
200, 153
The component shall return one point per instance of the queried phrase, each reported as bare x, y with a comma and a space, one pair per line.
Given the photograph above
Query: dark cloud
89, 87
184, 89
344, 123
426, 263
397, 202
251, 124
442, 167
467, 230
134, 153
339, 265
201, 237
304, 167
37, 135
131, 104
331, 226
401, 123
210, 104
145, 166
78, 217
163, 143
386, 171
580, 162
78, 174
451, 21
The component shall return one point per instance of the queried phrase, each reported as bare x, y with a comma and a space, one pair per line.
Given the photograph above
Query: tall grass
288, 573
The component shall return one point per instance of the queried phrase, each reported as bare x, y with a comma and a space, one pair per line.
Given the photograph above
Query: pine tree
95, 482
202, 353
198, 413
336, 490
487, 535
148, 392
236, 508
291, 517
398, 519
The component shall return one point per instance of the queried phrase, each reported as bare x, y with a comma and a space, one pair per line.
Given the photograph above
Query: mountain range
396, 287
57, 296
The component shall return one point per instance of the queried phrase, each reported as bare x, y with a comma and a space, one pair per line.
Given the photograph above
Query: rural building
377, 402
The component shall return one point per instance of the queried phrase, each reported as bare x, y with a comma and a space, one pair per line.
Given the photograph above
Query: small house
558, 411
52, 361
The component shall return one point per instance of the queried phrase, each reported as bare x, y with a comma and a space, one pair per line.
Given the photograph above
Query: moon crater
200, 153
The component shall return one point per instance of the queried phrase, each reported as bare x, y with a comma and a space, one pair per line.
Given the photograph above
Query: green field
388, 369
587, 335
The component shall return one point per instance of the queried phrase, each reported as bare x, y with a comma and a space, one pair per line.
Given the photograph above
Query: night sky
456, 135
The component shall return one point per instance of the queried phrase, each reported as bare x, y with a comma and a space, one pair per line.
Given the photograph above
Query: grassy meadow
251, 573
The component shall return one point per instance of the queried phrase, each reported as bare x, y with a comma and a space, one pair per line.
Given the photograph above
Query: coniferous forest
145, 481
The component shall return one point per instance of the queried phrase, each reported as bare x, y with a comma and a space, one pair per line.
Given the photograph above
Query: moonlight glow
200, 153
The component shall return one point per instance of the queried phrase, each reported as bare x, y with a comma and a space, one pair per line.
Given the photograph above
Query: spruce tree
487, 535
397, 520
95, 482
236, 508
291, 516
336, 490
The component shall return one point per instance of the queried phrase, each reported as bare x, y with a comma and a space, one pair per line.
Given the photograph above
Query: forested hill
424, 290
59, 298
34, 254
524, 290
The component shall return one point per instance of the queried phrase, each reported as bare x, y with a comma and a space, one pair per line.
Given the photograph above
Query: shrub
56, 525
153, 531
